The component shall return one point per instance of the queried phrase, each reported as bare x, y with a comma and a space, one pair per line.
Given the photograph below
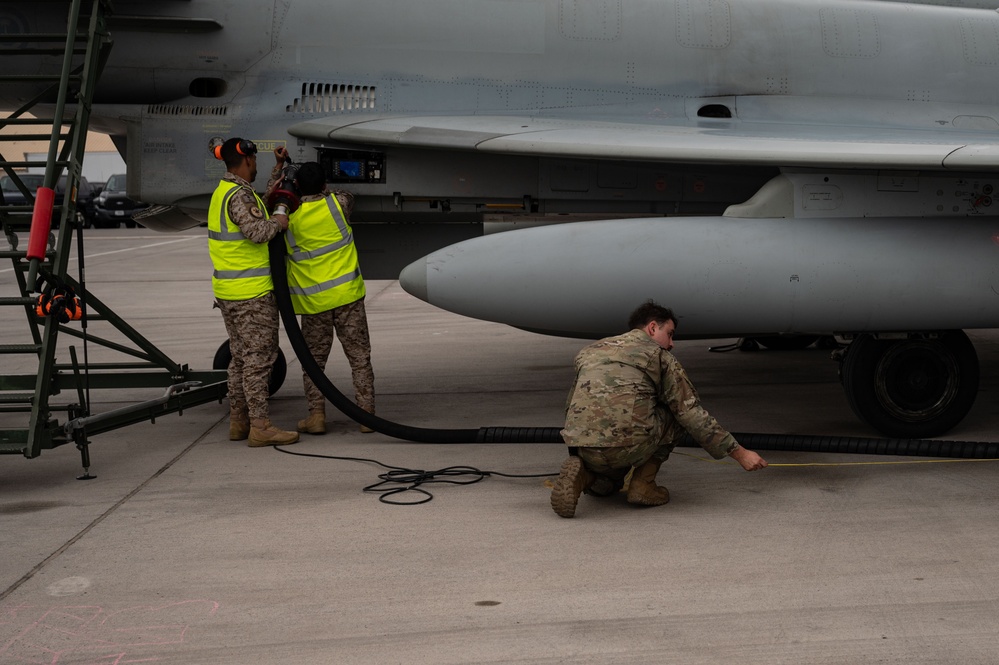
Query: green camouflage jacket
630, 391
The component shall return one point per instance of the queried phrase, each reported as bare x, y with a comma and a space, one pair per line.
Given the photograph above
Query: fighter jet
765, 167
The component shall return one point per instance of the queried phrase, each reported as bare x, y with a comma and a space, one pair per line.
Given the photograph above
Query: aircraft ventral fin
760, 143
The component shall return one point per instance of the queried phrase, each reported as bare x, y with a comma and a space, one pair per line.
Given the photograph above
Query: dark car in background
112, 206
84, 197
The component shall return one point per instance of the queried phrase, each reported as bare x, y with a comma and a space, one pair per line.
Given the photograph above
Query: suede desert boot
573, 478
643, 489
364, 428
314, 424
239, 424
239, 429
263, 433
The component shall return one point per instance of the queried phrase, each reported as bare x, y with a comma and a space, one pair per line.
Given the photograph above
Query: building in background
100, 162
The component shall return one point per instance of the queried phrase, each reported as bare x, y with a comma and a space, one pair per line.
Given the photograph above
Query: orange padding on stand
41, 222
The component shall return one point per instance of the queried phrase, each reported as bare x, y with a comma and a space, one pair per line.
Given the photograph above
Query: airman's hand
280, 155
749, 460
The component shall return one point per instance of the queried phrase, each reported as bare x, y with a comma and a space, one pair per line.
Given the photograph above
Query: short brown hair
650, 311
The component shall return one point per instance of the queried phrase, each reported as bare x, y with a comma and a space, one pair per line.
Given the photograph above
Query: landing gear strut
918, 387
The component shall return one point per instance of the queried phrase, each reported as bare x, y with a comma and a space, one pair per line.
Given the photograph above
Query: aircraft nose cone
413, 279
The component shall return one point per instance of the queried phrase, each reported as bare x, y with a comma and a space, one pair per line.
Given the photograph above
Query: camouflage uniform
253, 340
348, 322
631, 402
252, 325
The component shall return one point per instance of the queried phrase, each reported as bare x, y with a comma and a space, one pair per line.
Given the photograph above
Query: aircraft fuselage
816, 158
184, 74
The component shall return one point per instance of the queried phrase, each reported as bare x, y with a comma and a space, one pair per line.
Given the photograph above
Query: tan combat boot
315, 423
239, 424
239, 429
643, 489
263, 433
573, 478
364, 428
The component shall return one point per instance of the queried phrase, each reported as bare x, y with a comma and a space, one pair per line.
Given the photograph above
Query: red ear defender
42, 306
72, 310
246, 147
60, 303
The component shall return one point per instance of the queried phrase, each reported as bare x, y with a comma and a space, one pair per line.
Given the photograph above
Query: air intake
333, 98
169, 109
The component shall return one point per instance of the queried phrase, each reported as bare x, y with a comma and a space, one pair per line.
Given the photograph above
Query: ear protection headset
244, 147
60, 302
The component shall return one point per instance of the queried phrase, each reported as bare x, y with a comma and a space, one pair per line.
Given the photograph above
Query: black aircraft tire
224, 356
912, 388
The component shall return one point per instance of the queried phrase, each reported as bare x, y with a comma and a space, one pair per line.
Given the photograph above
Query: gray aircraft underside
766, 167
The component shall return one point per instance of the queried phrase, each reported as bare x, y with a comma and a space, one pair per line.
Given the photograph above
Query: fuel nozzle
284, 200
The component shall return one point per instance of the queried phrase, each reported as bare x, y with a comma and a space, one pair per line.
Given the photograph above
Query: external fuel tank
723, 276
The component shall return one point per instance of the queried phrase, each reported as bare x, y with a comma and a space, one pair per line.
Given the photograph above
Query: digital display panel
352, 166
351, 169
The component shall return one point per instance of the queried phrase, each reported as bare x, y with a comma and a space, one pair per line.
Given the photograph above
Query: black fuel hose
351, 410
856, 445
779, 442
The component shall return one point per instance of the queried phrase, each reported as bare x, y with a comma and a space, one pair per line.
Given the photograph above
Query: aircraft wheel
224, 356
913, 388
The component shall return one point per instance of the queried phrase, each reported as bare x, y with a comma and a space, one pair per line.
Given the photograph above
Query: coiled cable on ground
399, 480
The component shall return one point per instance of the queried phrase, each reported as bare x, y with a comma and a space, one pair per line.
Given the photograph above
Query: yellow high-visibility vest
323, 272
242, 267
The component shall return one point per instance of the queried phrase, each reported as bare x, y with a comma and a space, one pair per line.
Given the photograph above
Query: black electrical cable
410, 480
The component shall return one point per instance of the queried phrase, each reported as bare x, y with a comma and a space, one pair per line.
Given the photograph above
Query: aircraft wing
705, 141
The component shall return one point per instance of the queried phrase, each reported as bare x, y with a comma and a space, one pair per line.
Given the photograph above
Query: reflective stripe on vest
346, 237
323, 272
242, 267
224, 233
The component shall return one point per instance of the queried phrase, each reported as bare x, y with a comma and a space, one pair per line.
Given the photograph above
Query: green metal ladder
84, 47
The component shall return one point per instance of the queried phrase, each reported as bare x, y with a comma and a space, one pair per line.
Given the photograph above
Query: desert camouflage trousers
349, 323
253, 340
617, 461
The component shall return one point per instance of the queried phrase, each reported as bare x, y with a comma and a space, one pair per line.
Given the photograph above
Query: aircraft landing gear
224, 356
918, 387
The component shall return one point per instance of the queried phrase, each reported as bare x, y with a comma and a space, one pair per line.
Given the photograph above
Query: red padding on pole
41, 222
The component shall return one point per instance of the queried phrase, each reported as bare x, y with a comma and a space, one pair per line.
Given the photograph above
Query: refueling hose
780, 442
351, 410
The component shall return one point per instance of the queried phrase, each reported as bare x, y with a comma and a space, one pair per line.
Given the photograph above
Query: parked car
84, 196
112, 206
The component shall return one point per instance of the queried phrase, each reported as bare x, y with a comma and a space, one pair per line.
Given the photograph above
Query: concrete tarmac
188, 548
